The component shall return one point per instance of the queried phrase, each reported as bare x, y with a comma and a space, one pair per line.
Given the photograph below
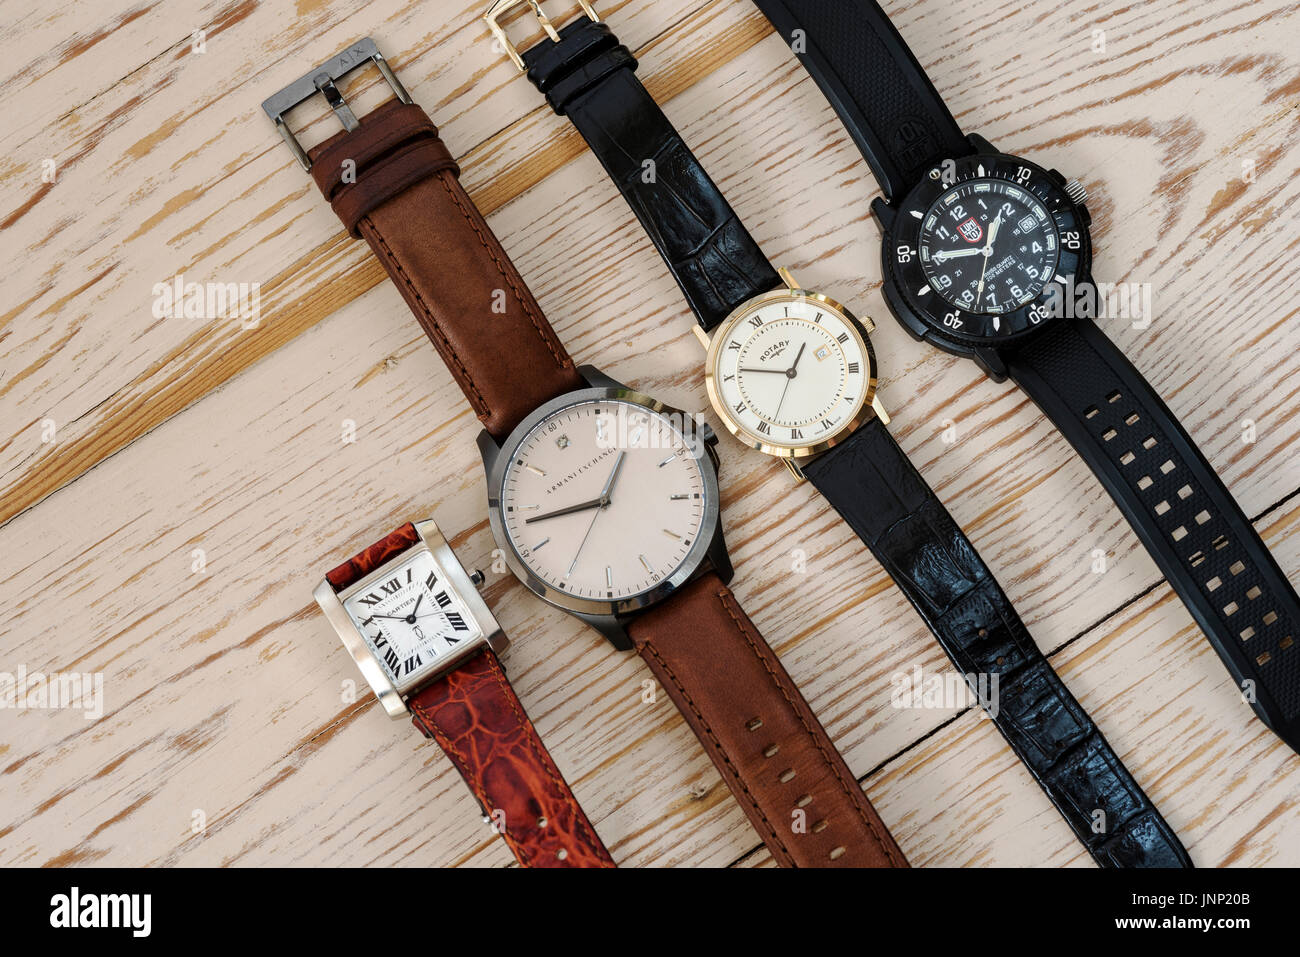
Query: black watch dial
986, 249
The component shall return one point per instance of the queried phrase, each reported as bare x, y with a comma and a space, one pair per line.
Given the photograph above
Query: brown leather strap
770, 748
476, 717
393, 183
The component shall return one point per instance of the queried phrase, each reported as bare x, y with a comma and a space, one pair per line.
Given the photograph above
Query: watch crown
1077, 192
478, 578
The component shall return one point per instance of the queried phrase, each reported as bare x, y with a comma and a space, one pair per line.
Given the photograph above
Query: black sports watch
791, 372
988, 256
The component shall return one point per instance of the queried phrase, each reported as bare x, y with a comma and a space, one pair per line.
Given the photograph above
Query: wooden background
226, 689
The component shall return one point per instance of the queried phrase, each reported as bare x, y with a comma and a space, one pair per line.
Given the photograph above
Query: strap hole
1214, 583
1248, 634
1197, 559
1091, 412
1265, 658
804, 801
1237, 568
1231, 608
1220, 543
837, 853
1114, 396
787, 776
820, 826
1254, 592
1168, 467
1185, 492
1203, 517
1286, 643
1162, 508
1133, 419
983, 632
1109, 434
542, 822
561, 854
1270, 618
771, 750
1127, 458
753, 724
1149, 443
1145, 482
1179, 533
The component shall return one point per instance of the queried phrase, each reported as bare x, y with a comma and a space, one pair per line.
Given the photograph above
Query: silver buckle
502, 7
322, 80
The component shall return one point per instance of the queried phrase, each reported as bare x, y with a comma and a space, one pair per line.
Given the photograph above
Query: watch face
987, 250
606, 500
411, 618
791, 372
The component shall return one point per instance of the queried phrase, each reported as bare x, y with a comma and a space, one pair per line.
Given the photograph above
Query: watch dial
985, 250
604, 499
791, 372
412, 618
988, 246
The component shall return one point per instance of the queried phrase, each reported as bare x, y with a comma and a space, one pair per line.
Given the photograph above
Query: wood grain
226, 691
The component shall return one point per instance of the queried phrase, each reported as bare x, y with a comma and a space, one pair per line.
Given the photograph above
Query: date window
823, 353
1028, 224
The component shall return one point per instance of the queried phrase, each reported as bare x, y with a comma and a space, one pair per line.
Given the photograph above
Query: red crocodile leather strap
478, 720
474, 715
770, 748
393, 183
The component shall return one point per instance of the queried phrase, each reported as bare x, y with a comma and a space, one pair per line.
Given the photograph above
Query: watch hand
582, 507
944, 255
778, 371
795, 368
988, 254
417, 604
604, 501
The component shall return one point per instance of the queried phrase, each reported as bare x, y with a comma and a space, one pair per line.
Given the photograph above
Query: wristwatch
603, 500
791, 372
988, 256
409, 614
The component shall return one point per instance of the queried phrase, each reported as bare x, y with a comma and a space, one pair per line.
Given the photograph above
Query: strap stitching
830, 763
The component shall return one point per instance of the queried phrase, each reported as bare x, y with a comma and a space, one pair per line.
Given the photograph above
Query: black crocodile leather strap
931, 560
589, 77
1180, 509
873, 81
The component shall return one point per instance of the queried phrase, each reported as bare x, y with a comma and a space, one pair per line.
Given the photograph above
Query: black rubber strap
880, 92
1203, 543
931, 560
589, 77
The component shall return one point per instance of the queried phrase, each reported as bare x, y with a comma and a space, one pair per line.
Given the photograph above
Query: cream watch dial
603, 500
412, 619
791, 372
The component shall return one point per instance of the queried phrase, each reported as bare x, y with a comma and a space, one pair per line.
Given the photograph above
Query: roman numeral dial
790, 371
412, 618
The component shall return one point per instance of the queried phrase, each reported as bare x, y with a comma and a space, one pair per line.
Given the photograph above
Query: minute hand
582, 507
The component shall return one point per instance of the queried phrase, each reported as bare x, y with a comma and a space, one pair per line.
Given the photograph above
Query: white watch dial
792, 372
604, 500
412, 619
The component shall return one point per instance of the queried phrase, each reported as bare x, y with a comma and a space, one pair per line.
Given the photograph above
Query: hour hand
572, 509
944, 255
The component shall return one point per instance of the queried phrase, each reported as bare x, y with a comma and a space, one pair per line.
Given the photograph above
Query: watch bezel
902, 279
865, 412
394, 696
695, 557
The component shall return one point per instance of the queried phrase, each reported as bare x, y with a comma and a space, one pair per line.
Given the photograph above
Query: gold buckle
502, 7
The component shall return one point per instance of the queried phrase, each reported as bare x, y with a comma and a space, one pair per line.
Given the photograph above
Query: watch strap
393, 183
1207, 548
759, 731
475, 716
876, 86
588, 76
477, 719
870, 481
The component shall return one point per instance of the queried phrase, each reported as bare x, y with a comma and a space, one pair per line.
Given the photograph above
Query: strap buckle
322, 80
503, 7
